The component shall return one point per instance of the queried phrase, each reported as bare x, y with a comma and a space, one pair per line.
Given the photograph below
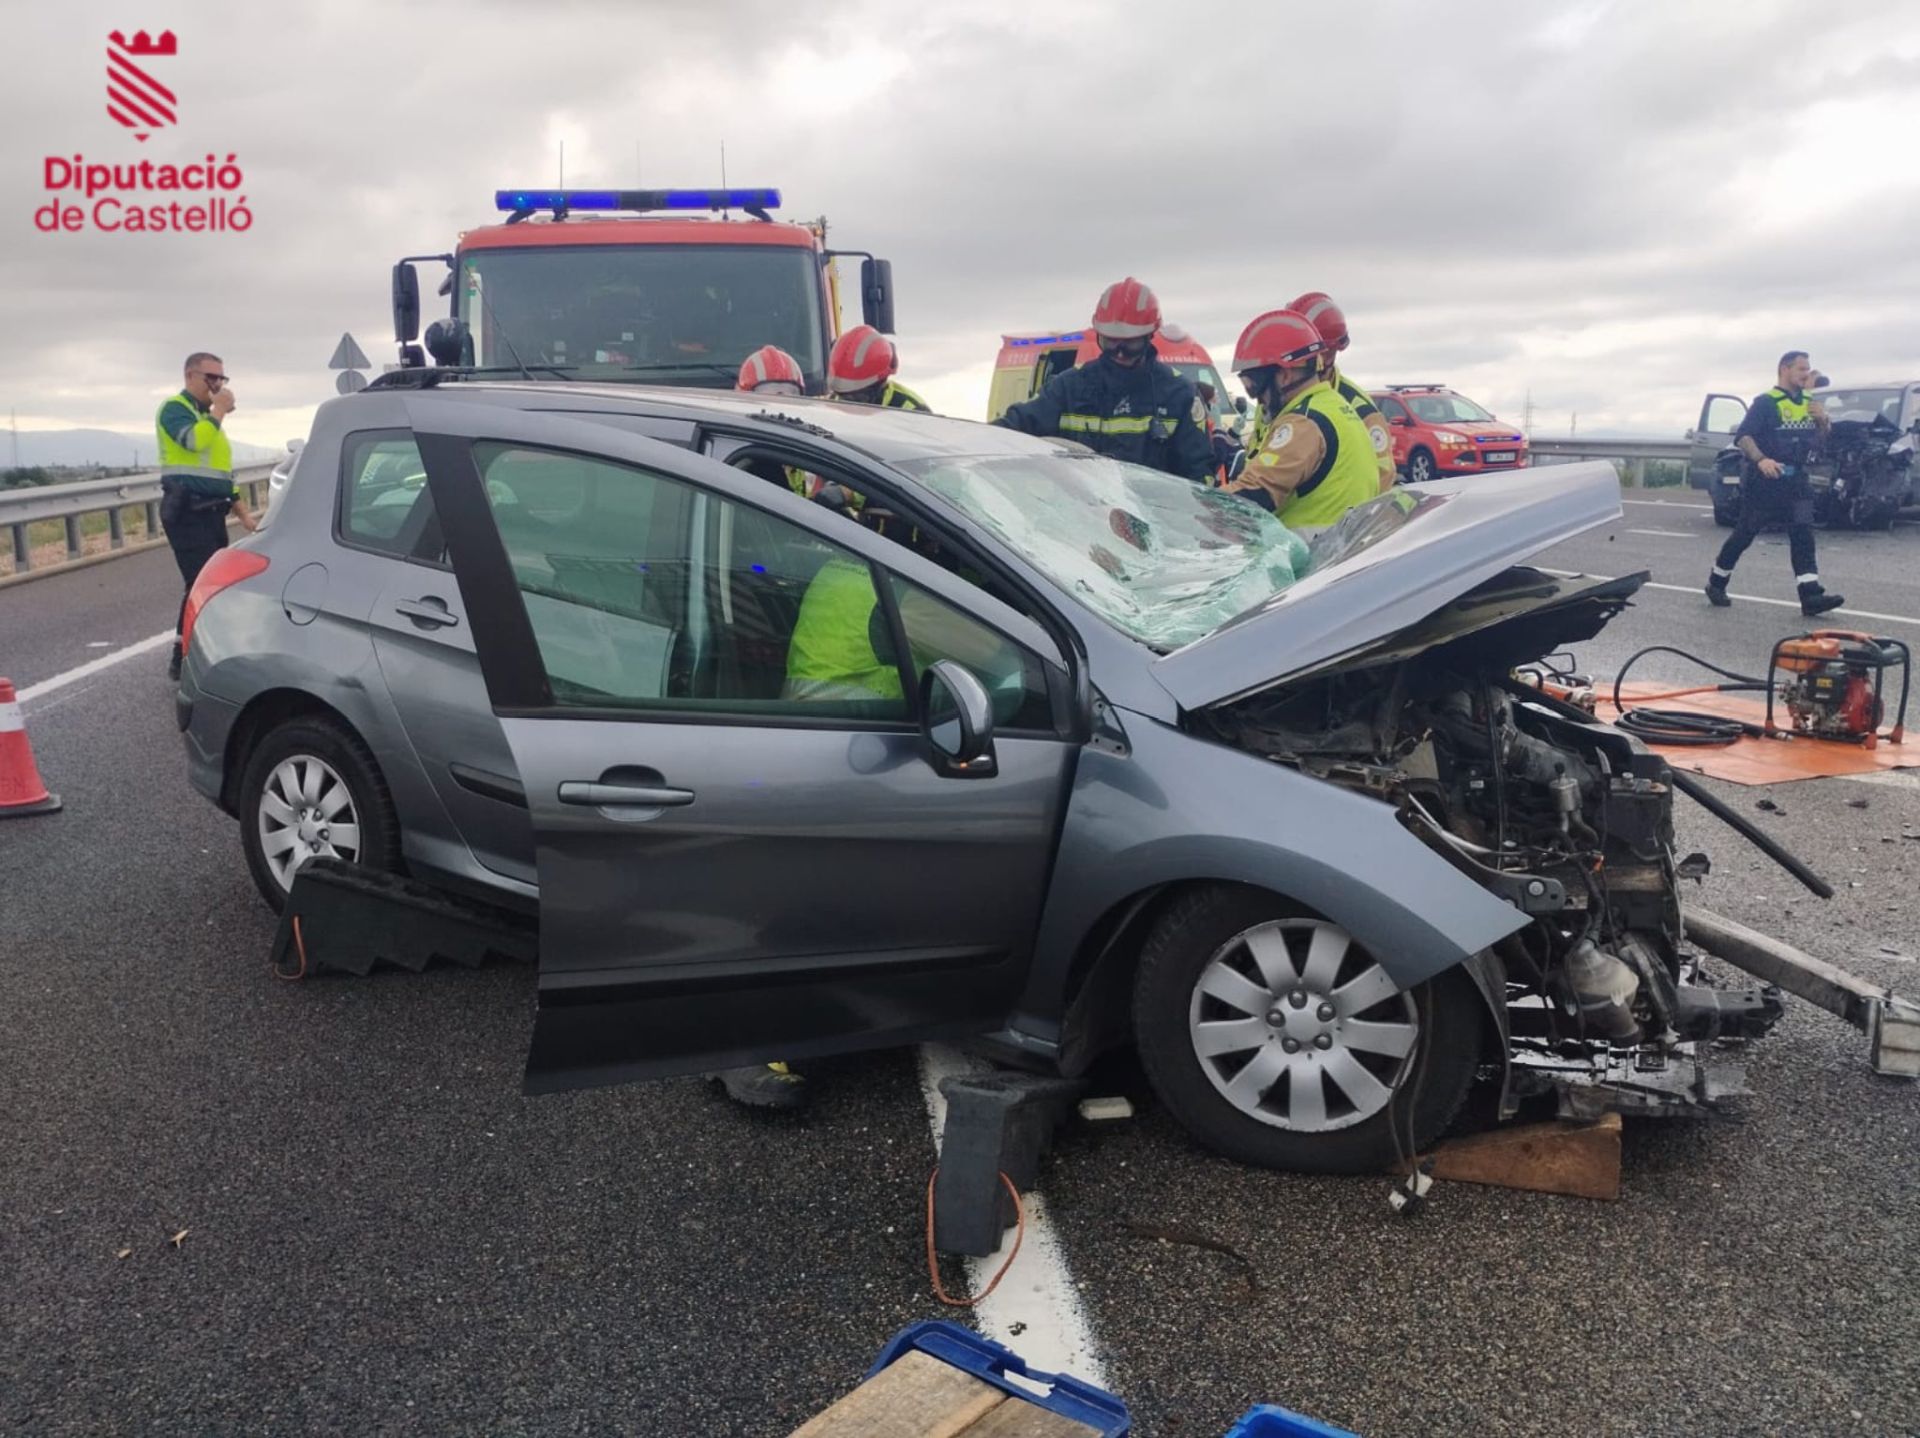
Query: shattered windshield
1156, 556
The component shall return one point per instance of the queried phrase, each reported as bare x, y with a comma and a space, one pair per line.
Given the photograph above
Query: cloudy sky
1612, 207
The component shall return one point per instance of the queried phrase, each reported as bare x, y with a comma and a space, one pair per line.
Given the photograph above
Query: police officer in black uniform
1777, 437
1126, 403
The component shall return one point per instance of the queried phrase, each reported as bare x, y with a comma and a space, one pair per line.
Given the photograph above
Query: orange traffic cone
21, 790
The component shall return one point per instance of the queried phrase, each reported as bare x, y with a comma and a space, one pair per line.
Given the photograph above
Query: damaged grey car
1013, 743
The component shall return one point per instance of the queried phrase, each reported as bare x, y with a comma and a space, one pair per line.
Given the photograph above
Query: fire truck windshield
661, 314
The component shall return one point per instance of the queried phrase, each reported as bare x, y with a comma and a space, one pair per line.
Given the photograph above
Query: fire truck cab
1027, 361
643, 286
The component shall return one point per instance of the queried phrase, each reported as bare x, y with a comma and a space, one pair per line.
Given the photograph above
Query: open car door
744, 852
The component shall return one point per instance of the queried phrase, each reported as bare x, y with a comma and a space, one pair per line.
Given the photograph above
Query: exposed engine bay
1568, 819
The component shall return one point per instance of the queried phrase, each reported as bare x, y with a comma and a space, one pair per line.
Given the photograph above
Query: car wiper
701, 366
558, 371
430, 376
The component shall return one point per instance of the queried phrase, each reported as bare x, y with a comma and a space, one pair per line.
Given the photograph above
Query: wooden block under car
918, 1396
1580, 1160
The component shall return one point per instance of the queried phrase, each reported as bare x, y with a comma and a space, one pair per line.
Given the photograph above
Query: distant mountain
100, 446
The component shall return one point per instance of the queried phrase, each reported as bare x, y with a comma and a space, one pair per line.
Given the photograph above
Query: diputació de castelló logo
143, 196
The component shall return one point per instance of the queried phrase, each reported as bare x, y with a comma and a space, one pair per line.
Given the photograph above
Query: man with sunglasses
196, 476
1125, 404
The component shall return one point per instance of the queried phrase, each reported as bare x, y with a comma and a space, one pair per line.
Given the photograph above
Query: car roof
884, 434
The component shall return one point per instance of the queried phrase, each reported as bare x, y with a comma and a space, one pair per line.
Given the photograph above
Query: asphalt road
382, 1236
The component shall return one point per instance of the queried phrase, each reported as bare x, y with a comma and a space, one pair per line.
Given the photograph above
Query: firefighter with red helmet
771, 370
860, 371
1125, 404
1327, 318
1314, 460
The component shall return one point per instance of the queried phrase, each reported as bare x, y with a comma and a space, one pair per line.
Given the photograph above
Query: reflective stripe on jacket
1375, 422
1146, 415
898, 396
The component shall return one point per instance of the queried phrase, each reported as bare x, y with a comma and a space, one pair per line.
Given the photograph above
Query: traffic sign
348, 355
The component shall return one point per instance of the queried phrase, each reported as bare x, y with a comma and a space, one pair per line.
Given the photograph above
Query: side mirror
876, 294
406, 303
294, 446
956, 718
1688, 435
450, 342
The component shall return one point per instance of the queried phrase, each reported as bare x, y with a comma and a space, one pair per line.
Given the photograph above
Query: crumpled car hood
1388, 565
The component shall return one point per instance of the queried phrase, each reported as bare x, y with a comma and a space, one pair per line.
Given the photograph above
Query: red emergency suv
1436, 432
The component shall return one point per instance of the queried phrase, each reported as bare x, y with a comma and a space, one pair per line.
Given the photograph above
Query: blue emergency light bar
527, 202
1027, 341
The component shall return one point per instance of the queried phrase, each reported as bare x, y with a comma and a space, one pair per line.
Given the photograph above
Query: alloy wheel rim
306, 812
1300, 1028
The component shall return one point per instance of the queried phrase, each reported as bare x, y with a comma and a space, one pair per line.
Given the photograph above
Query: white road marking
98, 643
94, 666
1036, 1310
1669, 504
1751, 598
1663, 533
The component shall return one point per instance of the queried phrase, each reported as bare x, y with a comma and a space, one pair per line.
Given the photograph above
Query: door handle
429, 611
596, 795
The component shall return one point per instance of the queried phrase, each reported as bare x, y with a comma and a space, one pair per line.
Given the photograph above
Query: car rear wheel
1420, 467
312, 790
1726, 509
1277, 1040
1864, 513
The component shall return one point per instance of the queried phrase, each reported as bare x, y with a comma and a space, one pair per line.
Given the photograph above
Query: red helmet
1126, 311
861, 358
1278, 337
769, 365
1325, 316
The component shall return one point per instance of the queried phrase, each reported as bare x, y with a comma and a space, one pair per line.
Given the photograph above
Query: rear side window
384, 501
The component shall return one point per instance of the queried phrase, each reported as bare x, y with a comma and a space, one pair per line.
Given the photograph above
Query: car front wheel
1277, 1040
1420, 467
312, 790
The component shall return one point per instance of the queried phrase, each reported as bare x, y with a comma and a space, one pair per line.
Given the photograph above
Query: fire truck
643, 286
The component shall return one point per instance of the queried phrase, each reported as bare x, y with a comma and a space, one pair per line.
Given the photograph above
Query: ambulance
1028, 361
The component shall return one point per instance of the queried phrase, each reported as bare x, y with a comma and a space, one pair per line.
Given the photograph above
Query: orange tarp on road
1761, 761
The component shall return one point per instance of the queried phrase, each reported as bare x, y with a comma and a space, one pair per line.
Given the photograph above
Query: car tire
1871, 514
1417, 1092
1726, 510
306, 781
1420, 467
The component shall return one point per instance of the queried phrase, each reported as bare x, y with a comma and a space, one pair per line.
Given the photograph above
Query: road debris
1191, 1239
180, 1237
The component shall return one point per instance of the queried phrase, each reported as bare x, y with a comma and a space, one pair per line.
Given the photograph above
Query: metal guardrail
1633, 452
70, 503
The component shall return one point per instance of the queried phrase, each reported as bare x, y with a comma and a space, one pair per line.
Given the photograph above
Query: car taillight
227, 567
